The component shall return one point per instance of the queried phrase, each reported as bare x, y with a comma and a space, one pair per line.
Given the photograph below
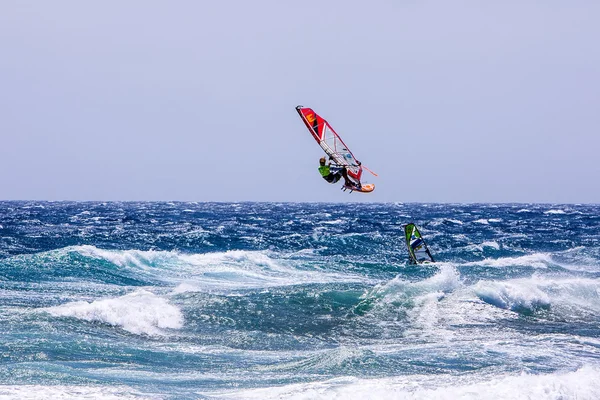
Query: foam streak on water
298, 301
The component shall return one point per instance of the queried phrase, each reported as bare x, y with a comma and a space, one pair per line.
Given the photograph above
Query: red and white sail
330, 142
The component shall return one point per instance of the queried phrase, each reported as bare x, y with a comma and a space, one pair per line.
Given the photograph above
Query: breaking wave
581, 384
140, 312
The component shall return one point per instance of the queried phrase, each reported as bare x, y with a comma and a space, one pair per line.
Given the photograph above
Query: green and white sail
417, 248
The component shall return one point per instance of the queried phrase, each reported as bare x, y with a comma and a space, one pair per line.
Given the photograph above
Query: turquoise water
276, 300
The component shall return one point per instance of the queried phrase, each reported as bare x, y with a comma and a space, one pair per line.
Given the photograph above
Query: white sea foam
582, 384
434, 314
419, 300
482, 221
333, 222
568, 296
123, 258
39, 392
573, 295
236, 269
536, 260
243, 269
319, 359
440, 221
140, 312
34, 206
480, 247
554, 212
581, 258
491, 244
513, 295
446, 280
461, 238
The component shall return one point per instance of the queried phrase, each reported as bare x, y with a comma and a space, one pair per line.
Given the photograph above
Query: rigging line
374, 174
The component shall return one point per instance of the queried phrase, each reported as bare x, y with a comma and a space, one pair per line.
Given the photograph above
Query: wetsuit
326, 173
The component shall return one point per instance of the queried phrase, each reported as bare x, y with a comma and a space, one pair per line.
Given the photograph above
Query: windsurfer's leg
346, 179
332, 178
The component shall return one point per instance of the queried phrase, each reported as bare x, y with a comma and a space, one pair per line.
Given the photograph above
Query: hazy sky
448, 101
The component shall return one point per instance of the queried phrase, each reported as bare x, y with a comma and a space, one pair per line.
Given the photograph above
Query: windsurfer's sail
417, 248
331, 142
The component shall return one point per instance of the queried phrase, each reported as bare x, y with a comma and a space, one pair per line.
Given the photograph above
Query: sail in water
331, 143
417, 248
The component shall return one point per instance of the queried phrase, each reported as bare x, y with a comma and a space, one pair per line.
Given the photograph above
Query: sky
447, 101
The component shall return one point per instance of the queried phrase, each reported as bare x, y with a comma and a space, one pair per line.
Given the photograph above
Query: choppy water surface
298, 301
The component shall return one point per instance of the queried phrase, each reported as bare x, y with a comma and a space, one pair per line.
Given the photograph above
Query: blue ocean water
298, 301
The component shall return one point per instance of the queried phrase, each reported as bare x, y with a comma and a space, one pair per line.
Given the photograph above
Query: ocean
186, 300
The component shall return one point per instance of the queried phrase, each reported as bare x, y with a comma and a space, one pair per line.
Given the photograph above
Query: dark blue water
277, 300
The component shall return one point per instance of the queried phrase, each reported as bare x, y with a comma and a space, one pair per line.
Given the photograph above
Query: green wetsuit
324, 170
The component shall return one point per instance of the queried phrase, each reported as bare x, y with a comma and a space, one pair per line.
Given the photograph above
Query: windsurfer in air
333, 174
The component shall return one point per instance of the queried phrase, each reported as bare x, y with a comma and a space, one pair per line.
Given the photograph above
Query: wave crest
140, 312
581, 384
